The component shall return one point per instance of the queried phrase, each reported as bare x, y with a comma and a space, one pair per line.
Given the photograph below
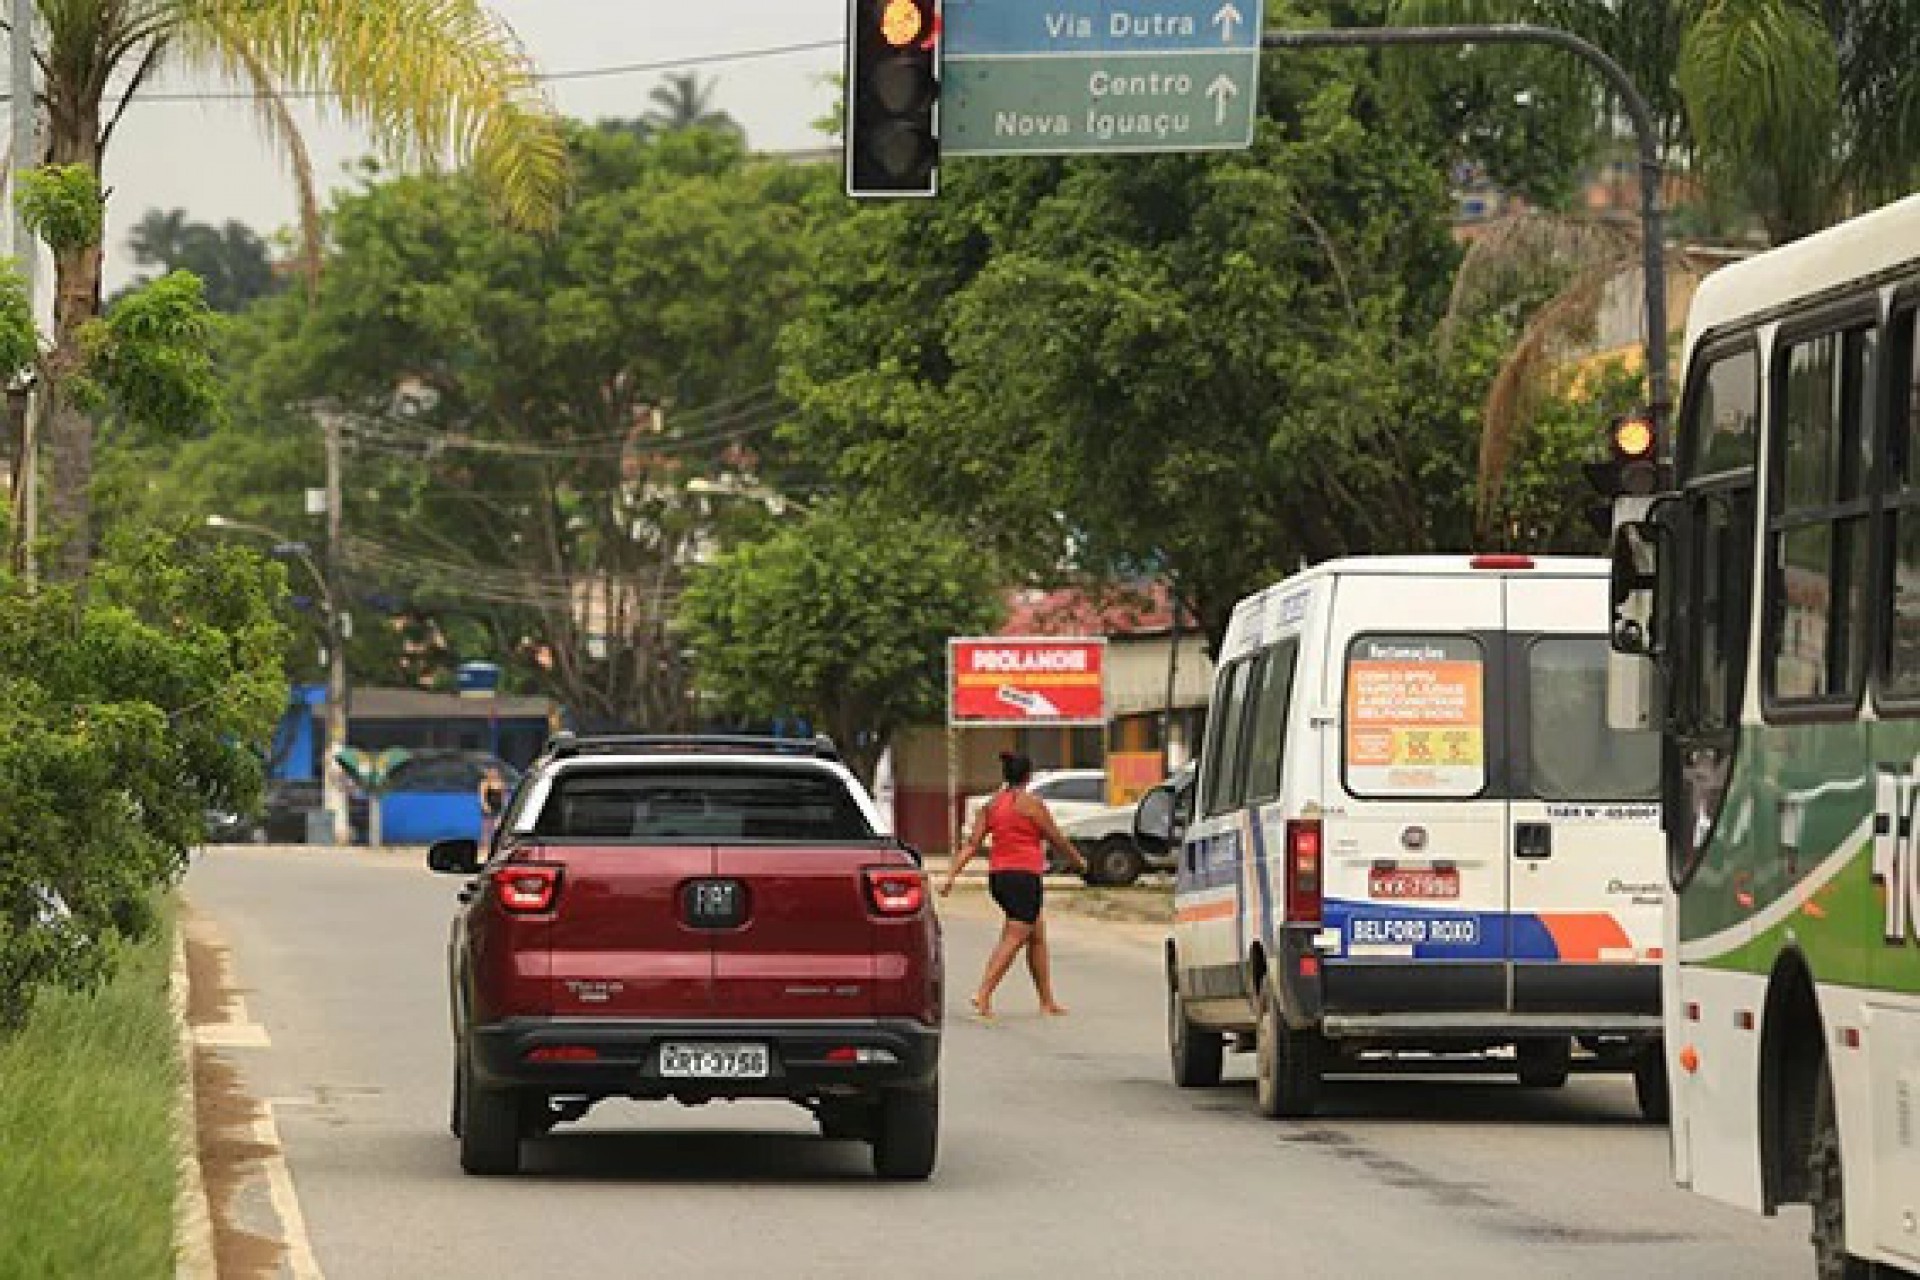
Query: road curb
192, 1213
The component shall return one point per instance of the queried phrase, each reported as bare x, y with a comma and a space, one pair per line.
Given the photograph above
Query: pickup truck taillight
894, 892
526, 887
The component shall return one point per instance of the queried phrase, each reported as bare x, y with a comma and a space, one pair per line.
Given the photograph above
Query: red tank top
1017, 842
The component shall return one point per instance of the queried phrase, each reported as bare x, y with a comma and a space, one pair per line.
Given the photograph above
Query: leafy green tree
124, 712
232, 260
842, 617
512, 492
429, 79
1209, 369
1807, 109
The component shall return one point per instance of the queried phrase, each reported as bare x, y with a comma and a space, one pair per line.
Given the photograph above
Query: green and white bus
1776, 588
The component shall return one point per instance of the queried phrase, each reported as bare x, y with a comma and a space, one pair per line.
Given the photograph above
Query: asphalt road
1065, 1151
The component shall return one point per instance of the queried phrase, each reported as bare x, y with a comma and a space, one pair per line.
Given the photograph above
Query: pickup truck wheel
1196, 1053
490, 1126
1114, 862
1544, 1064
1650, 1083
906, 1140
1287, 1064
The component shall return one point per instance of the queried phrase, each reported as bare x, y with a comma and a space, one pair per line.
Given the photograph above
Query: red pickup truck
695, 919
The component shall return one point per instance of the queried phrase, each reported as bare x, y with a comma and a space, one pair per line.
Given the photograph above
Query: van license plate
1432, 884
714, 1061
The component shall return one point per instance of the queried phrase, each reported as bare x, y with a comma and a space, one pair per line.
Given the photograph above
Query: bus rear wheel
1544, 1064
1827, 1190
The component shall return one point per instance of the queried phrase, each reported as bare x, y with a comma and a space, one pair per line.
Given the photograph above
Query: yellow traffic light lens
902, 23
1633, 438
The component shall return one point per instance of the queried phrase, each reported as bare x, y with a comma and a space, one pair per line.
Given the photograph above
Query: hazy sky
209, 158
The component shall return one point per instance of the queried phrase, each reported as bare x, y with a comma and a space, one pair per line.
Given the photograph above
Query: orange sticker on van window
1416, 714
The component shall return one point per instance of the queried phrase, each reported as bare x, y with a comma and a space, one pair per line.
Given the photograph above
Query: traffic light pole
1646, 136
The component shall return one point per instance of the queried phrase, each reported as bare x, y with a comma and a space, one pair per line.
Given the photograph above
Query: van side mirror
454, 857
1160, 819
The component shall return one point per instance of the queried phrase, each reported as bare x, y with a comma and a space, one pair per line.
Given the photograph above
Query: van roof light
1502, 560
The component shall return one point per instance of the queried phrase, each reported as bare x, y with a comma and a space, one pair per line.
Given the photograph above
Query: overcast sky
208, 157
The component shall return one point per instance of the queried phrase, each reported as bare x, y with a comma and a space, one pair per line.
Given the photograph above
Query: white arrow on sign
1227, 19
1222, 91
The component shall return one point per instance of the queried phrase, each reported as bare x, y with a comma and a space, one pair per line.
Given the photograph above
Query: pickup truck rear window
702, 804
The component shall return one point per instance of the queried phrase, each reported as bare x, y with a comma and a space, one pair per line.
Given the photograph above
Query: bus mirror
1634, 589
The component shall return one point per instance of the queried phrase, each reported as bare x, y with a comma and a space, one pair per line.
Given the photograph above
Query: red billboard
1027, 681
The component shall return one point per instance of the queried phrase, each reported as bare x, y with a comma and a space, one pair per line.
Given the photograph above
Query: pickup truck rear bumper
805, 1059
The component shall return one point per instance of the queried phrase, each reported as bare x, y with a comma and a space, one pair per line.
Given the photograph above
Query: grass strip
87, 1157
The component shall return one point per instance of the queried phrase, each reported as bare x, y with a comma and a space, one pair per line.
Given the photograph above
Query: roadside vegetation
87, 1094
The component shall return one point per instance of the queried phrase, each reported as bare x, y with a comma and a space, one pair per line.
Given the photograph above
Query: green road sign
1104, 102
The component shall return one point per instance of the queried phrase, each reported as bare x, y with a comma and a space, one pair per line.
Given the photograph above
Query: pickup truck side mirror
454, 857
1159, 822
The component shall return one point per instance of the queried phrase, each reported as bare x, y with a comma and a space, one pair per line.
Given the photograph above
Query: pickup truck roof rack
565, 745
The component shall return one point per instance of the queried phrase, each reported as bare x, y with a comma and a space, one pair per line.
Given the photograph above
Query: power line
547, 77
410, 442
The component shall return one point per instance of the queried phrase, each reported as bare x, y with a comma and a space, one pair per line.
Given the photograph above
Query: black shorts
1019, 894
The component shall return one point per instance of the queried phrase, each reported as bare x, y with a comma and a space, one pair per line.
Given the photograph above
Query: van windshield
1572, 752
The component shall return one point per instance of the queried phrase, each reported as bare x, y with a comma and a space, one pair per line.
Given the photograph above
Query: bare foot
982, 1009
1055, 1010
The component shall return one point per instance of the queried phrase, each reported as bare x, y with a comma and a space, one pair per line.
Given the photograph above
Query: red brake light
895, 893
564, 1053
1501, 560
527, 886
845, 1053
1304, 856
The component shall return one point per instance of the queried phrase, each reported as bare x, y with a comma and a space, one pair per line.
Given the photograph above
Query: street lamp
338, 629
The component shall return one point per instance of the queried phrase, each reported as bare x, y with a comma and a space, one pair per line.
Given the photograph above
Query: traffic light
893, 98
1630, 469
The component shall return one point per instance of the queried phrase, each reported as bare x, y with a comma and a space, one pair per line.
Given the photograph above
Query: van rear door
1588, 883
1416, 825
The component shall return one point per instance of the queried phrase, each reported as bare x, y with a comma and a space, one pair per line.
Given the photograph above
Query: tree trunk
69, 428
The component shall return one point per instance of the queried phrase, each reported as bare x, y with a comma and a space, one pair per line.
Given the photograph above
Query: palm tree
684, 101
431, 80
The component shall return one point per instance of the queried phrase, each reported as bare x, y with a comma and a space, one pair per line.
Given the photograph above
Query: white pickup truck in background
1105, 839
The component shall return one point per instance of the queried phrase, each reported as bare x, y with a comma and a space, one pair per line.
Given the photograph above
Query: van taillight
1303, 871
892, 892
527, 886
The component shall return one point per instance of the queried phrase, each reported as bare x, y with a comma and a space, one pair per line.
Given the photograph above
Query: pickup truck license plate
714, 1061
1439, 883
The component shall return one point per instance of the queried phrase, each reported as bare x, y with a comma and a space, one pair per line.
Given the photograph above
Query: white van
1413, 830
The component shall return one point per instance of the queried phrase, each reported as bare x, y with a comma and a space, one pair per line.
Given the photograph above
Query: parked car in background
1069, 793
432, 795
1105, 839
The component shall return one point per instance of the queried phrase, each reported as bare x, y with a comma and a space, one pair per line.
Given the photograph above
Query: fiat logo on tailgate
714, 904
1413, 839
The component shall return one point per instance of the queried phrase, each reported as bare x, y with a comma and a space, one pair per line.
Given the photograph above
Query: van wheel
1115, 862
1544, 1064
1196, 1053
1287, 1064
490, 1125
906, 1140
1827, 1191
459, 1085
1650, 1083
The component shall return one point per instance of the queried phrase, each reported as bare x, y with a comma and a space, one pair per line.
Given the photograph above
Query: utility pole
339, 629
26, 137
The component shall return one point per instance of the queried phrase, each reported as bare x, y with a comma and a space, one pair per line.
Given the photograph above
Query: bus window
1572, 753
1817, 571
1903, 635
1724, 429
